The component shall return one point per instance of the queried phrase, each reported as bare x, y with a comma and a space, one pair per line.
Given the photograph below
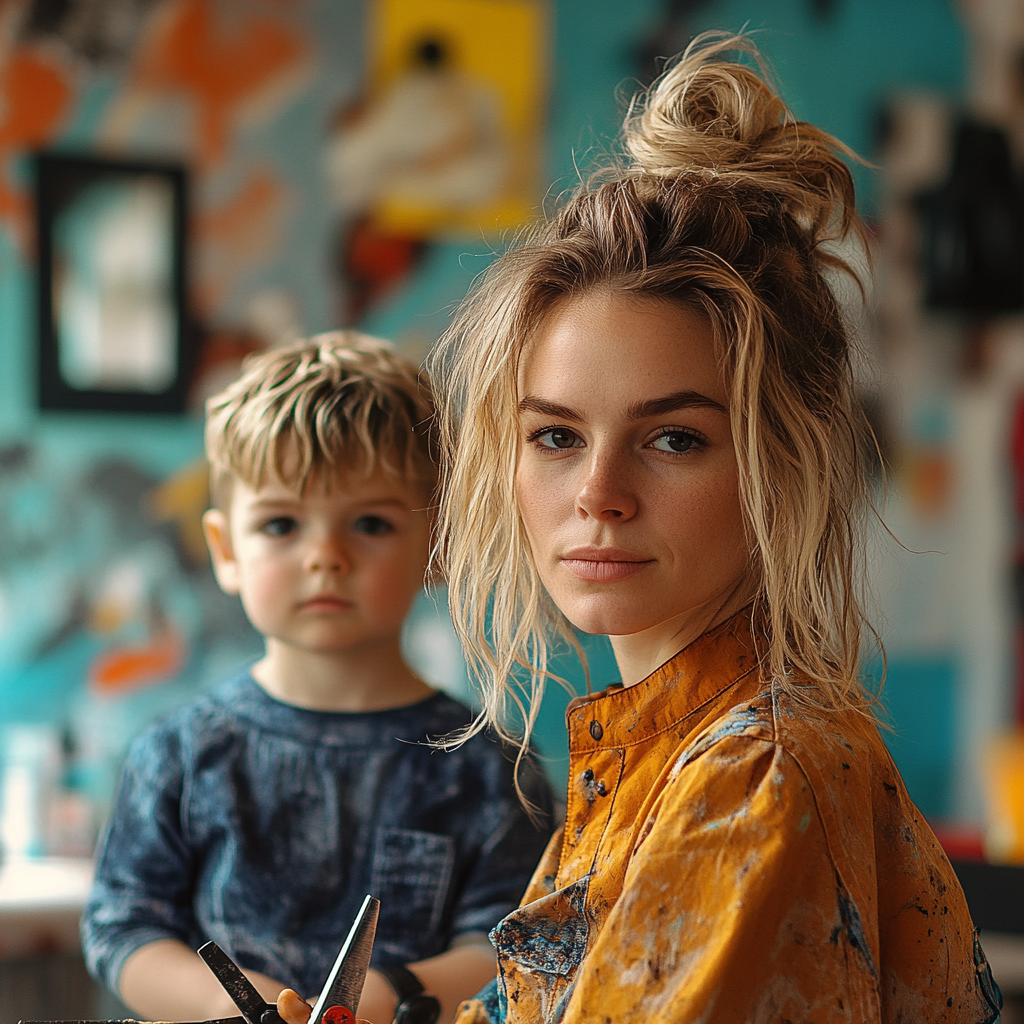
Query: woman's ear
217, 530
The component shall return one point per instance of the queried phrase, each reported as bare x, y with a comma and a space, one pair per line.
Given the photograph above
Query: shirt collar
701, 671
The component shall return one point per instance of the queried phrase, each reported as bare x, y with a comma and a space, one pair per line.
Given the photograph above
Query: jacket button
596, 731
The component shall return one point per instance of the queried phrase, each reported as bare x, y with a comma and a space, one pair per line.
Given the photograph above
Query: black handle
255, 1009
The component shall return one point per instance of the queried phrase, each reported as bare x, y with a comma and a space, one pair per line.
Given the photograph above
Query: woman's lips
604, 567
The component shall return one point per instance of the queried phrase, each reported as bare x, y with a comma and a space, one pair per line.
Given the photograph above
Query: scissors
338, 999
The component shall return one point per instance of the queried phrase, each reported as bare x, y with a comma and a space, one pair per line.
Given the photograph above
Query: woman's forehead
626, 349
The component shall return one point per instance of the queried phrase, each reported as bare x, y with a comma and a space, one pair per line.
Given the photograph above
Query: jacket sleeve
511, 845
145, 870
732, 908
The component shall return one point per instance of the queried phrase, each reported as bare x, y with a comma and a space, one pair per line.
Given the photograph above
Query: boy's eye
678, 441
373, 526
559, 438
279, 526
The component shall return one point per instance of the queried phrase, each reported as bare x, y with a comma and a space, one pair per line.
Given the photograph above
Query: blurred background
184, 182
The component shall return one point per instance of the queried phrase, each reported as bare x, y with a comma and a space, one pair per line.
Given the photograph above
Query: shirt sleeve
144, 874
514, 840
732, 908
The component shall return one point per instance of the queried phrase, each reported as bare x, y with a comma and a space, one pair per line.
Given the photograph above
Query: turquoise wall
833, 71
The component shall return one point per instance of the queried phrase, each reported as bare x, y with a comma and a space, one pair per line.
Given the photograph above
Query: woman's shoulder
823, 740
826, 739
839, 754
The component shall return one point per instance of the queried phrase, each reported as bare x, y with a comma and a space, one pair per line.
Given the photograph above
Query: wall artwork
445, 142
112, 321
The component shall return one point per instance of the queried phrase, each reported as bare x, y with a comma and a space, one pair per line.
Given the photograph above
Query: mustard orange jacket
731, 857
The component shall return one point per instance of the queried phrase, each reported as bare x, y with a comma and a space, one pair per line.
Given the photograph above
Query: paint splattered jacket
728, 857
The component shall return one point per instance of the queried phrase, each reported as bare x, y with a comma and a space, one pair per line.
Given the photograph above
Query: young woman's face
627, 478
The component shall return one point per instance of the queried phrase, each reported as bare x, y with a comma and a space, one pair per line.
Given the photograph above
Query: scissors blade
235, 983
344, 984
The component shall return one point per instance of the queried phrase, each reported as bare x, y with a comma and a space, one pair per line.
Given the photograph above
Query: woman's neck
639, 654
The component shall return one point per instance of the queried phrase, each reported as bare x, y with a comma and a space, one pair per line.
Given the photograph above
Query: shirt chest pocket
412, 871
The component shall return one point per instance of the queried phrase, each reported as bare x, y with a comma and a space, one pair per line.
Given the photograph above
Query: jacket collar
693, 678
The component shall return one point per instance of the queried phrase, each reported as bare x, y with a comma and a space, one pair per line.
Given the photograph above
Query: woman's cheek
544, 500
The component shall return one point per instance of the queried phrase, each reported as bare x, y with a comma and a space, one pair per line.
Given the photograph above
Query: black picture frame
62, 180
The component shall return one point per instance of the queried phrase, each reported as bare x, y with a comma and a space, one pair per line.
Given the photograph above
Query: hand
378, 1002
292, 1007
295, 1010
166, 980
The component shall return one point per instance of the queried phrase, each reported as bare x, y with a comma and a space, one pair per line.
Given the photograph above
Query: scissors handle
131, 1020
255, 1009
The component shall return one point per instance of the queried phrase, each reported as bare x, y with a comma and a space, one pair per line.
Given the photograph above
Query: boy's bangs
301, 459
341, 404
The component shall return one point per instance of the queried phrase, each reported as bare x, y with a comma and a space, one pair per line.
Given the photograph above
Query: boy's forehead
351, 485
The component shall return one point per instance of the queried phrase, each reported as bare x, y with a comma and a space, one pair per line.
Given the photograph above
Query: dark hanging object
669, 35
823, 10
973, 229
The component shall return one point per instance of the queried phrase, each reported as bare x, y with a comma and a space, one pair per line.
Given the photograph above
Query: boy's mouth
325, 603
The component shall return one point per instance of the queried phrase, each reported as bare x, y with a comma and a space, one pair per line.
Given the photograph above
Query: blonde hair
340, 402
729, 206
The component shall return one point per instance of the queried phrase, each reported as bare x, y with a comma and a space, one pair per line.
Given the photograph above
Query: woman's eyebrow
677, 400
636, 411
553, 409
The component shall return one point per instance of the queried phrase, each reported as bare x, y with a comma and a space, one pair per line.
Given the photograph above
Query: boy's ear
217, 531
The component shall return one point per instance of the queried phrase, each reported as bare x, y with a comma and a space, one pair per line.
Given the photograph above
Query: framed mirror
112, 325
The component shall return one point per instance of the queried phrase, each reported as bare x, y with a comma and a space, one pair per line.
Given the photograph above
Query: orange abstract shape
191, 52
34, 98
126, 667
239, 234
262, 192
929, 482
182, 499
1002, 763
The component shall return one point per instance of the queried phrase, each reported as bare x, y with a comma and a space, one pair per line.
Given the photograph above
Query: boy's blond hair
342, 401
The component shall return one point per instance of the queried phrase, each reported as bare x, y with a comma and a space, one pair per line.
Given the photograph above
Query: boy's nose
327, 556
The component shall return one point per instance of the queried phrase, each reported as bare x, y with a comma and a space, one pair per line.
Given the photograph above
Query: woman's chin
608, 622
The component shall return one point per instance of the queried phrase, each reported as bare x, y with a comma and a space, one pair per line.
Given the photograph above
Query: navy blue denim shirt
262, 826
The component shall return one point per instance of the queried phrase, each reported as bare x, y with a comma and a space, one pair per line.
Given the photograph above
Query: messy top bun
725, 203
725, 120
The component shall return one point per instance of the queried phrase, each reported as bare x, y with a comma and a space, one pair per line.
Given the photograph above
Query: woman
652, 433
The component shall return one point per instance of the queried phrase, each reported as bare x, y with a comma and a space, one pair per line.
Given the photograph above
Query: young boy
259, 816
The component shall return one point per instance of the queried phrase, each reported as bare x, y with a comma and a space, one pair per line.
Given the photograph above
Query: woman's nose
606, 494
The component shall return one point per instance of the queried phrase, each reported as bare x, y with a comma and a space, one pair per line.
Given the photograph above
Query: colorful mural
109, 613
240, 91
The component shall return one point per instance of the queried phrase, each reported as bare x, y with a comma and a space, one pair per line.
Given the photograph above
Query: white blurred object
41, 902
45, 883
117, 321
272, 315
435, 138
31, 759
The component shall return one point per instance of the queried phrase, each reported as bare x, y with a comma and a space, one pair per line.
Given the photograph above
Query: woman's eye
678, 441
279, 526
373, 526
559, 437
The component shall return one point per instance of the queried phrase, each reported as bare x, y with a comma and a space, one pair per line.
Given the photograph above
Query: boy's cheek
391, 592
